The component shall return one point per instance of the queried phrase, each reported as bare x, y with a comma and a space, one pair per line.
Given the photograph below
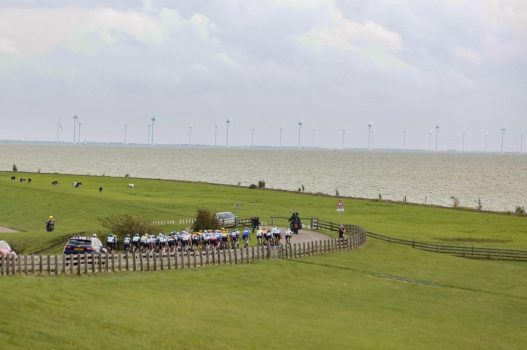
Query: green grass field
381, 296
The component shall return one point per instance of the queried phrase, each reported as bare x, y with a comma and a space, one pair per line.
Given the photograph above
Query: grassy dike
381, 296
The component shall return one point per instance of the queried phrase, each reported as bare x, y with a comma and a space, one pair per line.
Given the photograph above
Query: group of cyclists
195, 241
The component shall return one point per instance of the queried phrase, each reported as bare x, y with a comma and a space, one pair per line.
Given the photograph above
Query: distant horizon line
186, 145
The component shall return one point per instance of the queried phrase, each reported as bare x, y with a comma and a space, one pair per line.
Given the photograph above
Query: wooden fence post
188, 259
194, 258
235, 255
175, 259
169, 264
201, 257
141, 264
155, 260
241, 255
56, 265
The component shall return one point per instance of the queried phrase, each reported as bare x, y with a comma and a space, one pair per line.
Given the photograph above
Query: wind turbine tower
216, 135
59, 131
228, 122
252, 137
300, 123
430, 140
75, 121
149, 132
502, 137
281, 131
80, 124
190, 135
437, 134
370, 125
152, 130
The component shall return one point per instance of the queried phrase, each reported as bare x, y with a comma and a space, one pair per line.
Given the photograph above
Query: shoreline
320, 194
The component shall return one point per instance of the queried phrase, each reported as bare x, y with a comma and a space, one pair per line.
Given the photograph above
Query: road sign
340, 206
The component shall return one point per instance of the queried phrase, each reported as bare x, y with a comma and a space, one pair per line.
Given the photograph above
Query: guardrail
83, 264
463, 251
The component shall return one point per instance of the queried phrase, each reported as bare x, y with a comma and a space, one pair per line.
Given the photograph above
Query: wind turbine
281, 130
252, 137
75, 121
228, 121
343, 137
153, 123
190, 135
300, 123
370, 126
437, 134
502, 137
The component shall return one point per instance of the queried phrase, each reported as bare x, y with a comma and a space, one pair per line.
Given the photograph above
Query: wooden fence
83, 264
463, 251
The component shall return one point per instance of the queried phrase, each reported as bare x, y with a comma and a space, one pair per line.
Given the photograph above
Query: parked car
84, 245
227, 219
5, 249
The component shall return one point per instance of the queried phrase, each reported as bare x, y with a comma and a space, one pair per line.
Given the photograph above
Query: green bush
205, 220
519, 210
15, 168
128, 224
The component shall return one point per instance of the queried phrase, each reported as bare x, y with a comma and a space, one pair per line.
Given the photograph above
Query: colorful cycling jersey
110, 239
246, 233
162, 238
127, 240
144, 238
185, 236
235, 234
207, 236
136, 238
288, 232
275, 231
218, 235
268, 233
259, 233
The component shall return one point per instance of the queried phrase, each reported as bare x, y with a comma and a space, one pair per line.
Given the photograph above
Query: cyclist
245, 237
277, 235
144, 241
342, 230
288, 234
126, 243
136, 241
235, 235
259, 236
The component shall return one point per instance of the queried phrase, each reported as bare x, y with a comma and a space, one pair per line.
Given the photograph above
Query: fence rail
463, 251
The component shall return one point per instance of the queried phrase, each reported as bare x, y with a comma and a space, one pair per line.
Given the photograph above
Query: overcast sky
401, 64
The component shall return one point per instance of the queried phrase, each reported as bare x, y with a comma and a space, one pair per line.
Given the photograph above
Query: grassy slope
337, 301
26, 207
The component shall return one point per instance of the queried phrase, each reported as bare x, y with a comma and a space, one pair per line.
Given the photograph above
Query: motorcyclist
50, 224
295, 222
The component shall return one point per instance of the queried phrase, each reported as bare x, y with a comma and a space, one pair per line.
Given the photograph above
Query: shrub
455, 201
15, 169
205, 220
519, 210
128, 224
252, 186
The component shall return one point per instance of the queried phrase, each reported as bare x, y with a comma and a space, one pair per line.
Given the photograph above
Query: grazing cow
100, 189
55, 183
76, 184
22, 179
131, 186
29, 180
13, 177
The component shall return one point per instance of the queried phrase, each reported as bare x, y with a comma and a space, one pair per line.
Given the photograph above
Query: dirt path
305, 236
6, 229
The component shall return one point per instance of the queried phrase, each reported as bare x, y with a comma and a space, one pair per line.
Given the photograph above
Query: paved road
303, 236
6, 229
